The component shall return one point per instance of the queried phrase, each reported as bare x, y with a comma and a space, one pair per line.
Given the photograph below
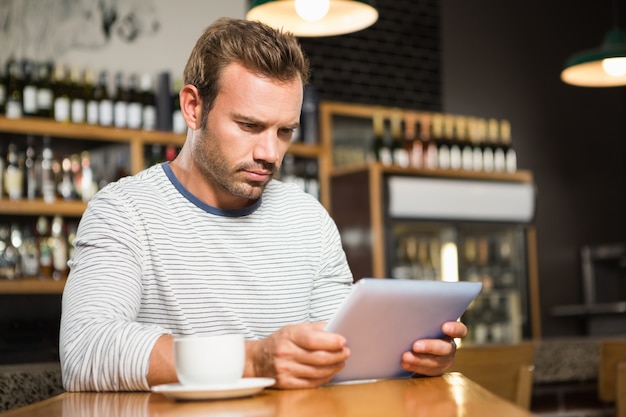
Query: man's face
246, 135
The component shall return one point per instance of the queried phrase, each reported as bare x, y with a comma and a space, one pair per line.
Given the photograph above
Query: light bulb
615, 67
312, 10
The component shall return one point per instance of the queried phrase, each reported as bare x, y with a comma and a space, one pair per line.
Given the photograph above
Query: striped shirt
152, 259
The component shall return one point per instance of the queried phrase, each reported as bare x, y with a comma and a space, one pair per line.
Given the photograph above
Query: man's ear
191, 106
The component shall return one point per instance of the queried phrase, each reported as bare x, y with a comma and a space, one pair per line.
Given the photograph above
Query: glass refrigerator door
492, 253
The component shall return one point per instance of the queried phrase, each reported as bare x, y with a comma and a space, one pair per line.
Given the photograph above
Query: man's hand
297, 356
433, 357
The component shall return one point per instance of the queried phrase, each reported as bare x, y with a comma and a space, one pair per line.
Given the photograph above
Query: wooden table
449, 395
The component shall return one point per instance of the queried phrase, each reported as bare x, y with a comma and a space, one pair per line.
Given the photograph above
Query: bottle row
301, 171
437, 256
434, 141
33, 172
73, 95
36, 251
494, 318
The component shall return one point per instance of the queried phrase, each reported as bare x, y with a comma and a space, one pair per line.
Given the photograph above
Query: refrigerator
419, 225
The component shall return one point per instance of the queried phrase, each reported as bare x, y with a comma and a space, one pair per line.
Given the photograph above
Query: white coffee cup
209, 360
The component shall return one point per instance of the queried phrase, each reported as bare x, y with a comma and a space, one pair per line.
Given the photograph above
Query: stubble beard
214, 167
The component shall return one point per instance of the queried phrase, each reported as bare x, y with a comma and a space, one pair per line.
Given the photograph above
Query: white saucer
243, 388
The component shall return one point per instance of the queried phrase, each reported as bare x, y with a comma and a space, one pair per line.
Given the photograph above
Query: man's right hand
297, 356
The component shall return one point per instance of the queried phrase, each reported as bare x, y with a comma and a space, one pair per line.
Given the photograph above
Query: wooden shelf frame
137, 140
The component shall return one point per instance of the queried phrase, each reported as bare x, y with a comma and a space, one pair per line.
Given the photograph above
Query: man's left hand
432, 357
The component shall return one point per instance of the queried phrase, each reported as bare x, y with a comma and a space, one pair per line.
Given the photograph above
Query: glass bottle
88, 186
78, 101
29, 90
29, 254
30, 166
13, 175
148, 101
378, 140
13, 105
120, 102
59, 248
66, 187
431, 157
134, 108
510, 155
61, 95
105, 104
48, 182
45, 95
9, 255
42, 234
443, 146
399, 152
90, 96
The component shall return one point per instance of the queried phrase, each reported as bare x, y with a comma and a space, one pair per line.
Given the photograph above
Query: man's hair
256, 46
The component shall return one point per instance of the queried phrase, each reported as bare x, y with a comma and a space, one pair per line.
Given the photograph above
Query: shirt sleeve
102, 347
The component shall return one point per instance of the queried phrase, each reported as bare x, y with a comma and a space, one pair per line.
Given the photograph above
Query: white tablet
381, 318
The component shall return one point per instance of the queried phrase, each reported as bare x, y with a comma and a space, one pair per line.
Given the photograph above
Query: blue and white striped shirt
150, 258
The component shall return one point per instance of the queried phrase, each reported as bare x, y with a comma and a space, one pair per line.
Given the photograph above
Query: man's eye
247, 126
287, 133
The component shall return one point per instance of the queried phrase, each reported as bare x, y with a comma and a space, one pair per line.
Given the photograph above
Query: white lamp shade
344, 16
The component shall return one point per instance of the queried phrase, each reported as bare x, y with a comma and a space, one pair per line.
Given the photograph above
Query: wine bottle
42, 234
475, 140
412, 140
13, 105
486, 146
399, 152
510, 154
120, 102
134, 106
62, 111
443, 147
48, 182
105, 104
59, 248
463, 138
13, 175
89, 89
378, 140
430, 147
499, 163
29, 90
66, 186
29, 254
148, 102
45, 95
9, 255
30, 166
451, 137
88, 186
78, 101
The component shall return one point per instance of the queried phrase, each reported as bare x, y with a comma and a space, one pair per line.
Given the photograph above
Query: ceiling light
313, 18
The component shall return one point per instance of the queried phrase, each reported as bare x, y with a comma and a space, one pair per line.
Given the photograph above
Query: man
210, 244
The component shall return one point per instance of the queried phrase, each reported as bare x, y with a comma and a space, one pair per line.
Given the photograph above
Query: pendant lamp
604, 66
313, 18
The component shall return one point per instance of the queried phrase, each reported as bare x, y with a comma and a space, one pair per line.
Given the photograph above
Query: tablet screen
381, 318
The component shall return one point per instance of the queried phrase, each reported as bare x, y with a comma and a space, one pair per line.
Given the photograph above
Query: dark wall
503, 59
394, 62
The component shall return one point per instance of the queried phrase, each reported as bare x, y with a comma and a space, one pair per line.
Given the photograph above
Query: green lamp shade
343, 16
588, 68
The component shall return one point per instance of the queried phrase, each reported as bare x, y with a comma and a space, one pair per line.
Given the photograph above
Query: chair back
505, 370
612, 374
